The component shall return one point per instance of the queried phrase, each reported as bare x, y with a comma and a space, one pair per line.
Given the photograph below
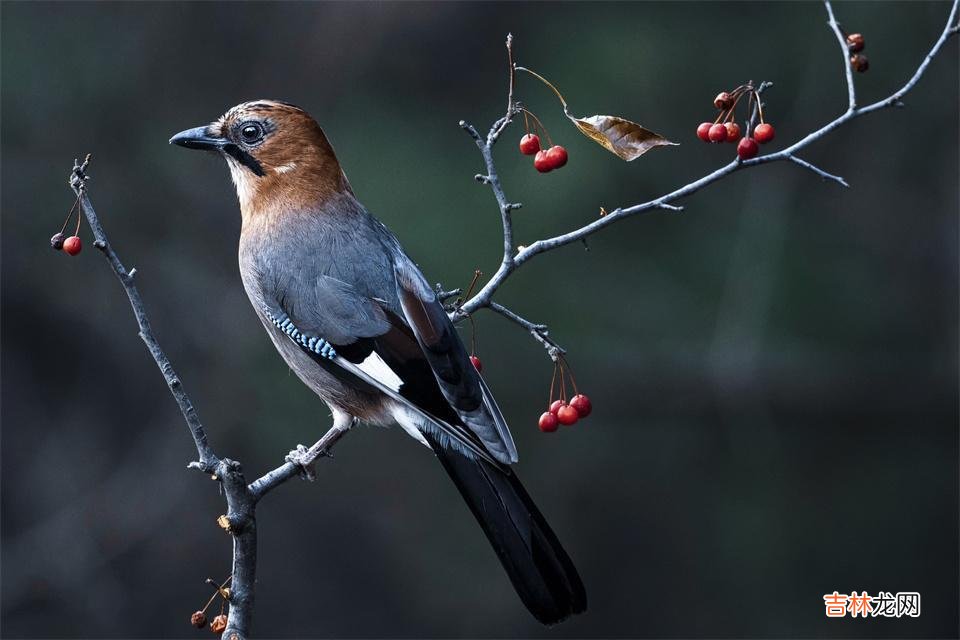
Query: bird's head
278, 155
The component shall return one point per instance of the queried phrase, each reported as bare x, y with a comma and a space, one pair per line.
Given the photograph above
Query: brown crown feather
300, 169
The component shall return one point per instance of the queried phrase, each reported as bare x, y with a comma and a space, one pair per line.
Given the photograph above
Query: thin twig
512, 109
78, 179
538, 331
241, 499
845, 51
820, 172
270, 480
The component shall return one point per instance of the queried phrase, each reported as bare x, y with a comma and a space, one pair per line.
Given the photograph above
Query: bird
356, 320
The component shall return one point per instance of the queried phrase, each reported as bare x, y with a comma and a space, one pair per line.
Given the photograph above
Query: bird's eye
251, 132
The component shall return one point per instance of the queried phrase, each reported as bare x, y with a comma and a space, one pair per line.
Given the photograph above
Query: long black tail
539, 568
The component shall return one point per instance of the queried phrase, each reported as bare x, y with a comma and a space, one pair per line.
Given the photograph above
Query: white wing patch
376, 368
408, 420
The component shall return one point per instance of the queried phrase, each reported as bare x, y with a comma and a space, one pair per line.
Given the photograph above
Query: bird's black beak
198, 138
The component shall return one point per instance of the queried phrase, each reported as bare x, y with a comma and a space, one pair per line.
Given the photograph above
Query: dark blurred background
774, 370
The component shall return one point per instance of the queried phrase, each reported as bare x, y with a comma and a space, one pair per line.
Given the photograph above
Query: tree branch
820, 172
538, 331
240, 519
512, 261
845, 51
77, 181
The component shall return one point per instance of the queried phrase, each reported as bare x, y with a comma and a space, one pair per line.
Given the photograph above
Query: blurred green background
774, 370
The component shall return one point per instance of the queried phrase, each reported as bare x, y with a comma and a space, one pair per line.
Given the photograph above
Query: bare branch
669, 207
510, 263
443, 296
240, 520
270, 480
538, 331
754, 113
820, 172
77, 181
502, 123
894, 99
845, 50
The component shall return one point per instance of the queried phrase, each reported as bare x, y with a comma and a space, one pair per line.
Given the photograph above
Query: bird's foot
304, 458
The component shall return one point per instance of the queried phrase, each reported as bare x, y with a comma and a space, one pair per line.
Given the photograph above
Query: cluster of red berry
559, 411
858, 61
71, 245
725, 128
199, 618
544, 160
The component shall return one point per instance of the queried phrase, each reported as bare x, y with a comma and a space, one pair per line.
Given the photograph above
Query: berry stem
473, 336
553, 381
69, 214
737, 94
563, 381
729, 115
573, 379
542, 129
473, 283
218, 592
759, 104
549, 84
76, 231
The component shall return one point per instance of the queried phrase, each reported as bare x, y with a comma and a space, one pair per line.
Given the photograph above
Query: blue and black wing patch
312, 344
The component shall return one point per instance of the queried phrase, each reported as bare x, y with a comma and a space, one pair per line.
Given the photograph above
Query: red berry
733, 131
198, 619
72, 245
557, 156
541, 162
747, 148
529, 144
723, 101
859, 62
555, 406
703, 131
855, 42
582, 404
717, 133
763, 133
477, 364
548, 422
568, 415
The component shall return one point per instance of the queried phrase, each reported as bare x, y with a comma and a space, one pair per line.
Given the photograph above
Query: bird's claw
302, 458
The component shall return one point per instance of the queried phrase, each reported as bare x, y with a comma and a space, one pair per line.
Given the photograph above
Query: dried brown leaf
625, 138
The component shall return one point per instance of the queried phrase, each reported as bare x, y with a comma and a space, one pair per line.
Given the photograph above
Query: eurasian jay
357, 321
